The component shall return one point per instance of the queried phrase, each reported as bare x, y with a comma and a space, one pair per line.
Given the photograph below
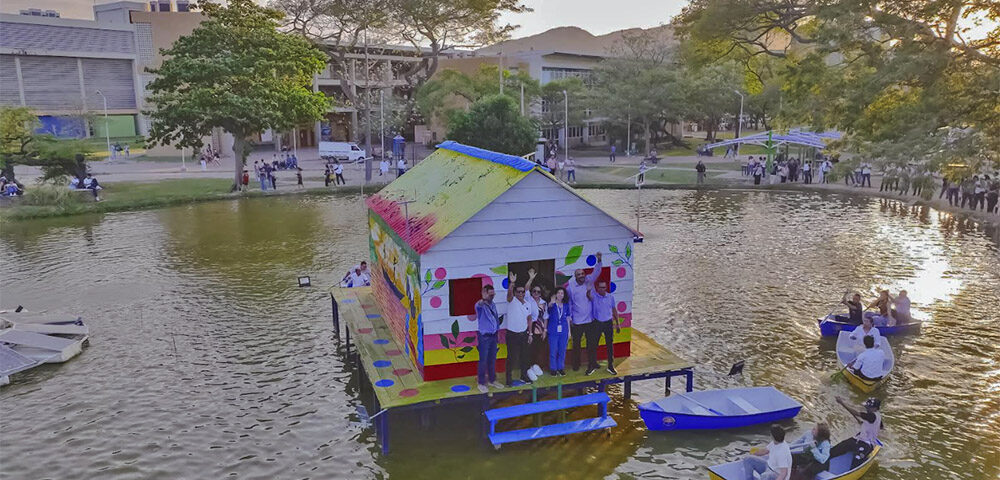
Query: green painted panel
118, 125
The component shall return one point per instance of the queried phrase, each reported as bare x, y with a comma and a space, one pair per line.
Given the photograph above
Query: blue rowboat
715, 409
832, 325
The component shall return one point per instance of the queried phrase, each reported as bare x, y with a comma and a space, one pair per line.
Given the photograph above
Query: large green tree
640, 84
452, 90
238, 72
906, 76
17, 138
494, 123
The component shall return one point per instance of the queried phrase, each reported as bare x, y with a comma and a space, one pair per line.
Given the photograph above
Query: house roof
447, 188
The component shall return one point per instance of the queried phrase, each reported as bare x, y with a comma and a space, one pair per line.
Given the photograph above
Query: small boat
840, 468
848, 349
736, 407
44, 339
831, 325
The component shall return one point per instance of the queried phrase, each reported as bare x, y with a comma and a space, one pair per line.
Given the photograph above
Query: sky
594, 16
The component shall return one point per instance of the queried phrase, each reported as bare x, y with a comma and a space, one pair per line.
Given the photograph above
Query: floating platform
397, 383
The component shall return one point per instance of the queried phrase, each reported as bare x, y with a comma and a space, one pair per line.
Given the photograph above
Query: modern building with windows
71, 73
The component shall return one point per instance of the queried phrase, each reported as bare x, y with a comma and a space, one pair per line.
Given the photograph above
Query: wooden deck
397, 382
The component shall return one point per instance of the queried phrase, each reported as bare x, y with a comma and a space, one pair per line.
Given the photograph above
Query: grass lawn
661, 176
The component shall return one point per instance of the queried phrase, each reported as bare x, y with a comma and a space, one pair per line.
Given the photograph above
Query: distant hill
572, 40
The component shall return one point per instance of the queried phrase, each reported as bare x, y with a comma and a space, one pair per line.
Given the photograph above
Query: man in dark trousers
489, 323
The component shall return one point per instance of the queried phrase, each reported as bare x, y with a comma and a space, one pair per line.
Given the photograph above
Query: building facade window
556, 73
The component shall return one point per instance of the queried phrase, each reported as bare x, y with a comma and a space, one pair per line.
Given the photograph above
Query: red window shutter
463, 293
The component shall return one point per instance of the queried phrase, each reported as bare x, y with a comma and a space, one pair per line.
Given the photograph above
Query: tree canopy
452, 90
906, 77
494, 123
238, 72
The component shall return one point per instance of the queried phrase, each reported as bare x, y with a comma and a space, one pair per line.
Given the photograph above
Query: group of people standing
979, 193
785, 170
902, 180
540, 327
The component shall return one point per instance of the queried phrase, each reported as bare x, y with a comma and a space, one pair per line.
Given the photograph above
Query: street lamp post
566, 126
107, 124
381, 114
628, 133
739, 121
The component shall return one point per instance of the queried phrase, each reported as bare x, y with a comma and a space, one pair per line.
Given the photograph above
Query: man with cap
862, 444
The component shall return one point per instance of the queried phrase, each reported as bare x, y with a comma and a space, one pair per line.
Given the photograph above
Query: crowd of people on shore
788, 170
562, 167
540, 325
979, 193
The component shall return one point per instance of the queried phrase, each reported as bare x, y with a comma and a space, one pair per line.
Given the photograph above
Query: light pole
381, 114
739, 121
107, 125
628, 133
566, 129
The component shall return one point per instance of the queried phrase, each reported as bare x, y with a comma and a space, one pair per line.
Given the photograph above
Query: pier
397, 385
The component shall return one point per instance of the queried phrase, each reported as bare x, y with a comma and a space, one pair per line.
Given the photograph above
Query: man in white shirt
401, 167
777, 466
869, 364
520, 314
383, 167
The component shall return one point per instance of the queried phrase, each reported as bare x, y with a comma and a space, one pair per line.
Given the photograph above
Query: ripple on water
208, 362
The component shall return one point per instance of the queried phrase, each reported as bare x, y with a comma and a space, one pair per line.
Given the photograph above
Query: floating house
465, 217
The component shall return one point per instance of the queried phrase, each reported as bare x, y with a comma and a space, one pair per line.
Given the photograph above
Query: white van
341, 151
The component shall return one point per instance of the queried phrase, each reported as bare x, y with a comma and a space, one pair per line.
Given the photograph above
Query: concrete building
67, 69
551, 55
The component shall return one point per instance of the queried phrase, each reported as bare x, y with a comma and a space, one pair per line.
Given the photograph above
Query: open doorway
544, 274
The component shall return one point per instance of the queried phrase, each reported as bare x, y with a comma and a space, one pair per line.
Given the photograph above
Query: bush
51, 196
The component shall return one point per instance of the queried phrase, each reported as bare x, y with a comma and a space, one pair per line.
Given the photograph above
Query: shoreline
31, 212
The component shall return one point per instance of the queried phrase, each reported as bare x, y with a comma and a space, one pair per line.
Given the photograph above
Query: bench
745, 405
600, 399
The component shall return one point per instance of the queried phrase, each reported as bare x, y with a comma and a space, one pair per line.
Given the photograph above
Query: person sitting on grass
773, 462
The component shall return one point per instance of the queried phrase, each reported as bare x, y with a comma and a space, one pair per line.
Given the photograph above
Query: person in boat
816, 457
862, 444
866, 329
882, 303
558, 331
854, 308
900, 313
773, 462
868, 364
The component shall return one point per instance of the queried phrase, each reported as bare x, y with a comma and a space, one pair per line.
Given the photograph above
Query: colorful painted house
465, 217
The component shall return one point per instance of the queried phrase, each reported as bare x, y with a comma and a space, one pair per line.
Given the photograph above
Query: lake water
207, 361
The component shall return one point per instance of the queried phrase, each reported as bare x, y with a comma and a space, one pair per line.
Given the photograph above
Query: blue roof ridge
511, 161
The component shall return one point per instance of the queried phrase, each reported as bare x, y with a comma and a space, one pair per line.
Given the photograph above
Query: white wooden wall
536, 219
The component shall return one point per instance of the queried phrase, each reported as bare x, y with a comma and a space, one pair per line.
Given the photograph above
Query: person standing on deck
580, 313
558, 331
862, 444
520, 314
606, 322
486, 337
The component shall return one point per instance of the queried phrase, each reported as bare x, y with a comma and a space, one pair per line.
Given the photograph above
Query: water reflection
208, 361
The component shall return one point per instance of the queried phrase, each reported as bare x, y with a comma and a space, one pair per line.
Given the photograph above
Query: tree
17, 137
494, 123
552, 111
61, 158
710, 95
237, 72
341, 28
452, 90
884, 72
639, 82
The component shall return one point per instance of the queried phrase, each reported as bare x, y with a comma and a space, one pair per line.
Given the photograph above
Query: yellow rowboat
840, 468
848, 349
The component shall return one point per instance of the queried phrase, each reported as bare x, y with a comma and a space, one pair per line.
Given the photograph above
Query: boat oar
827, 317
702, 405
363, 415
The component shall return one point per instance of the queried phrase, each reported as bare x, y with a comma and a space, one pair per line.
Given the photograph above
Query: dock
397, 384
